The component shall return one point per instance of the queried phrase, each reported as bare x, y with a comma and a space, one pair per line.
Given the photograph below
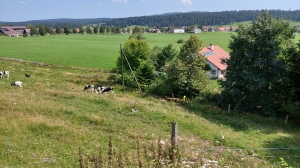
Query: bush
208, 96
292, 108
180, 41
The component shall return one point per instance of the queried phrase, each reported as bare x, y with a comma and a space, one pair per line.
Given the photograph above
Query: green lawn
92, 51
89, 51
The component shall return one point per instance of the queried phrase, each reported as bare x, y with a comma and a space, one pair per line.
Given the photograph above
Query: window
213, 72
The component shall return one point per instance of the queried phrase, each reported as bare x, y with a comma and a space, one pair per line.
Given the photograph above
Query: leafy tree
107, 29
256, 77
136, 51
102, 30
34, 31
154, 56
118, 30
42, 30
128, 30
67, 30
81, 30
137, 32
96, 30
89, 30
113, 29
58, 30
293, 105
74, 30
49, 30
187, 74
167, 54
294, 71
145, 73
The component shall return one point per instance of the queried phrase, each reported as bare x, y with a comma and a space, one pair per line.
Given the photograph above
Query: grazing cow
17, 83
89, 88
3, 73
99, 89
108, 89
27, 75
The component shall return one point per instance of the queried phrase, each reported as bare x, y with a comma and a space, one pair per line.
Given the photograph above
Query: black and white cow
99, 89
108, 89
89, 88
3, 73
17, 83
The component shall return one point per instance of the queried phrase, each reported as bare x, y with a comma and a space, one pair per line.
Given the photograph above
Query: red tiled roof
215, 56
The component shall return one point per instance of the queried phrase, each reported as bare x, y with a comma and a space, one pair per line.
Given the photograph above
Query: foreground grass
44, 124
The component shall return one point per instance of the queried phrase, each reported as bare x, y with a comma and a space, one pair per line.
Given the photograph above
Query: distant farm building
176, 31
13, 31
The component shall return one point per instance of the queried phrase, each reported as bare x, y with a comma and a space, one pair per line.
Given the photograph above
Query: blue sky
25, 10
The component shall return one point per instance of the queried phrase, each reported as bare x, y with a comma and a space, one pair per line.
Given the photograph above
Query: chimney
211, 47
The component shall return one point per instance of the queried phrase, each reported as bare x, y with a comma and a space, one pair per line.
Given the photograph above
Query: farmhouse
26, 32
196, 30
176, 31
216, 58
13, 31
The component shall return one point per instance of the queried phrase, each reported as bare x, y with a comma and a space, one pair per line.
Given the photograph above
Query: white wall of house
214, 72
177, 31
197, 30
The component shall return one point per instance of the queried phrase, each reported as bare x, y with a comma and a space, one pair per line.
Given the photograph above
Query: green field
92, 51
89, 51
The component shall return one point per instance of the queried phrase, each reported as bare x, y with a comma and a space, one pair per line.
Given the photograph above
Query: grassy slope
43, 124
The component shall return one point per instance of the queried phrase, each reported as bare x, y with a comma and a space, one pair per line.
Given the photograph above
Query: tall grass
44, 124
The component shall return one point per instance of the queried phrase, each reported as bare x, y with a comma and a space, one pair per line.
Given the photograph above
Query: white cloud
186, 2
119, 1
22, 2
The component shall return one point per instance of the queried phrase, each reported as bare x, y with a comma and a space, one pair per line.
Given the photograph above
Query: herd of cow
101, 89
16, 83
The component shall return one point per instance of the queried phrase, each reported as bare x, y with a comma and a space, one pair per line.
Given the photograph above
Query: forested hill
201, 18
170, 19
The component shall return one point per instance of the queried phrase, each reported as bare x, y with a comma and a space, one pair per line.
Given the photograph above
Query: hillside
169, 19
44, 124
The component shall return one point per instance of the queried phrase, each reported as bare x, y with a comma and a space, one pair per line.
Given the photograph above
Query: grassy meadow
44, 124
89, 51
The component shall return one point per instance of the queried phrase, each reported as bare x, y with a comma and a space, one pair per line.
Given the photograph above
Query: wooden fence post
174, 132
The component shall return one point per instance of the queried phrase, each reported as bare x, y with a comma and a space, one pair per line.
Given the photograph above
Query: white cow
17, 83
3, 73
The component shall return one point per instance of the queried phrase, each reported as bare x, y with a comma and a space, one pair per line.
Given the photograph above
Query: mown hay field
89, 51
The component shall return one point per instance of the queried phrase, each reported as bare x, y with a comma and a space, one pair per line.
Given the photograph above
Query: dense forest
168, 20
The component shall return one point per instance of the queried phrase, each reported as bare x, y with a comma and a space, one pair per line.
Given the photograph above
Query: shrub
180, 41
292, 108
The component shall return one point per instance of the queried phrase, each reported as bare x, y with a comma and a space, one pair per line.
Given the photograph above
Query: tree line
169, 20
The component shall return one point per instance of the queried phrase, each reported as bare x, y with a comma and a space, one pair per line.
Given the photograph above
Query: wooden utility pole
122, 69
